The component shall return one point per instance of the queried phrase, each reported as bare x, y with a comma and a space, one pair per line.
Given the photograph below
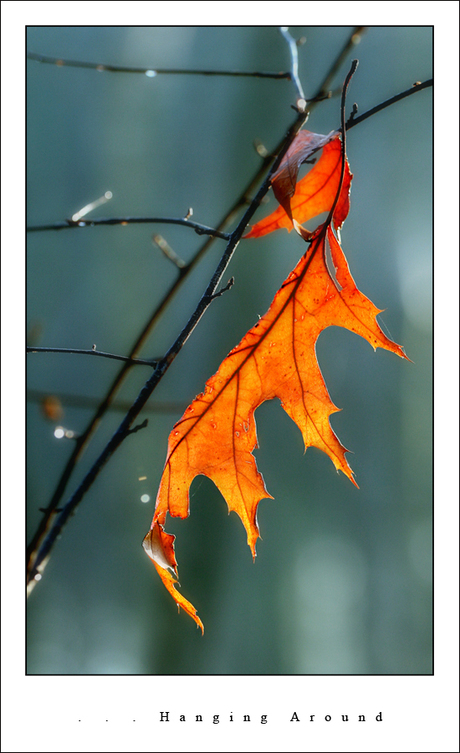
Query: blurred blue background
342, 580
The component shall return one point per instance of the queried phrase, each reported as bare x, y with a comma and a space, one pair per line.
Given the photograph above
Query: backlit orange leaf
216, 435
313, 194
284, 180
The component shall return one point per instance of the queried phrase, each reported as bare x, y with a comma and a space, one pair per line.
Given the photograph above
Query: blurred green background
342, 580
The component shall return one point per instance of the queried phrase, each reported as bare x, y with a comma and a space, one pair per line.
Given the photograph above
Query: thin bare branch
66, 224
353, 120
152, 72
94, 352
138, 427
301, 102
343, 130
223, 290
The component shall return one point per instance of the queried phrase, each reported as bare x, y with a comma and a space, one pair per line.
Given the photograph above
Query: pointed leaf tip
159, 546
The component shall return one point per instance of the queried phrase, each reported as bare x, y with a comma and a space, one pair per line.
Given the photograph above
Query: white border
420, 713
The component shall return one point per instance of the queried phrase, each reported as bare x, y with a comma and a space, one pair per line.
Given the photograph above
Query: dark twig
343, 130
199, 229
152, 72
138, 427
223, 290
94, 352
353, 115
353, 121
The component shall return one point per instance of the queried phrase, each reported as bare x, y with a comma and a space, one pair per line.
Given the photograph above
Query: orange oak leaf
216, 436
313, 194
